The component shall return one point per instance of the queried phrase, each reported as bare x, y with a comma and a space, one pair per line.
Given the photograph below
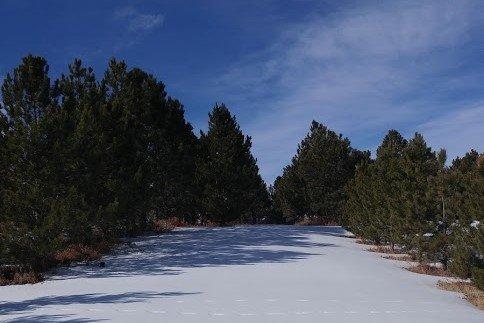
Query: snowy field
244, 274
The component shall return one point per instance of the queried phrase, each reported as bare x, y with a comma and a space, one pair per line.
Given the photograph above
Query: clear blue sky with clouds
359, 67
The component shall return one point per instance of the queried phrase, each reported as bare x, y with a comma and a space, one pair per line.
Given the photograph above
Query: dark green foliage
27, 227
408, 197
312, 187
83, 161
232, 190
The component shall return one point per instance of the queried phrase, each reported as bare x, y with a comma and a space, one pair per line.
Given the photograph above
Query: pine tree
152, 148
464, 197
290, 195
232, 189
28, 102
421, 166
389, 188
172, 154
362, 209
75, 174
312, 188
83, 161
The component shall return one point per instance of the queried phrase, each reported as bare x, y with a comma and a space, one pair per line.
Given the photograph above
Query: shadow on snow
52, 318
8, 308
169, 254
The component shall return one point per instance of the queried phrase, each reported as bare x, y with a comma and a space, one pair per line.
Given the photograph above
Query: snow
243, 274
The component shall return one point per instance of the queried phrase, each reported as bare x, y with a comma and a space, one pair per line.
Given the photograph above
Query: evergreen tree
232, 189
74, 174
421, 166
464, 201
312, 188
362, 211
83, 161
152, 149
290, 195
389, 188
28, 103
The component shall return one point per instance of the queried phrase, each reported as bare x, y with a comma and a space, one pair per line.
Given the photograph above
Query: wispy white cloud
361, 71
458, 131
137, 21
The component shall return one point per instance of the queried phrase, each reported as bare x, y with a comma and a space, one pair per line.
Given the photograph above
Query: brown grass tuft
401, 257
364, 242
17, 276
384, 249
166, 225
427, 269
30, 277
473, 294
77, 252
310, 221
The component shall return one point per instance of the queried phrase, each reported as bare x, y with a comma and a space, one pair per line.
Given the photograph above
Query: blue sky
360, 67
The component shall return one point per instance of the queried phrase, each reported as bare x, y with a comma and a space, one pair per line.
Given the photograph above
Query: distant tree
312, 187
467, 163
275, 216
232, 189
290, 195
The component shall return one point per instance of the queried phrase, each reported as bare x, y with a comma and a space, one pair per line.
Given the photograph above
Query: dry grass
364, 242
401, 257
210, 224
17, 276
384, 249
310, 221
77, 252
427, 269
473, 294
166, 225
30, 277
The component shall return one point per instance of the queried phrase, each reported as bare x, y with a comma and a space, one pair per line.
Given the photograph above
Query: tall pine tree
312, 187
232, 189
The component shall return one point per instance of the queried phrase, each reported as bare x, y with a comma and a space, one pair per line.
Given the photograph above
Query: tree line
84, 161
406, 197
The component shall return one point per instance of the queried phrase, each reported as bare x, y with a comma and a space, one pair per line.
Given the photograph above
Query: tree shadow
52, 318
169, 254
8, 308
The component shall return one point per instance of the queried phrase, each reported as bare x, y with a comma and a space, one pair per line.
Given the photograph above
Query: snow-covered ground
244, 274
